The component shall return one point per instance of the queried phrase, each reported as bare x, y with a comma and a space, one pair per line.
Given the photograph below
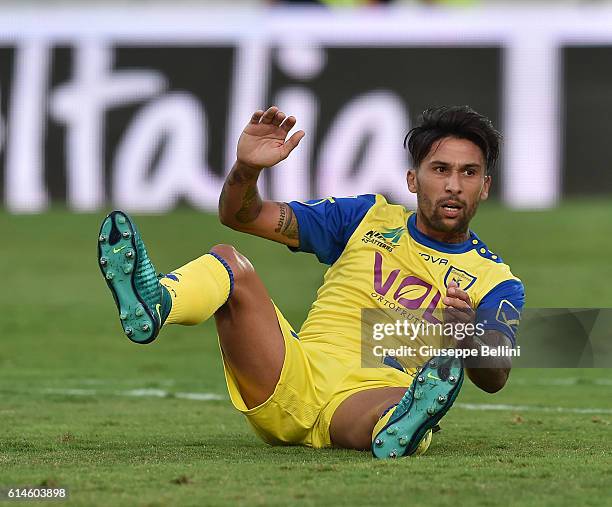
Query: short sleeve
501, 308
326, 225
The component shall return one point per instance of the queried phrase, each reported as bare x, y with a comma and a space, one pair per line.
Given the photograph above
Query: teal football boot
428, 398
143, 303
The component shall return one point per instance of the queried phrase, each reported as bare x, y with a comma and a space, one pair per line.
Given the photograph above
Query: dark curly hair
461, 122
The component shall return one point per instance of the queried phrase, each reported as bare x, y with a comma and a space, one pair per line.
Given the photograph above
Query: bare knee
241, 266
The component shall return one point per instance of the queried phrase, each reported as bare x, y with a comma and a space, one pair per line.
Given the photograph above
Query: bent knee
238, 263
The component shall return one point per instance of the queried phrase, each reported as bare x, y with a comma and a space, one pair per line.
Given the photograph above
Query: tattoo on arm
240, 191
250, 207
241, 187
222, 199
242, 176
287, 223
282, 216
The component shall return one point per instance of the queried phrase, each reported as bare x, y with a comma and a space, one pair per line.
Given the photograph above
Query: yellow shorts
301, 408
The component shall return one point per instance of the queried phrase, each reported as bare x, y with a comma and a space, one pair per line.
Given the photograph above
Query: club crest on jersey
508, 315
462, 278
387, 239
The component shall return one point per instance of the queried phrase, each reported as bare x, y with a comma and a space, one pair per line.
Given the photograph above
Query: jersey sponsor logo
433, 259
508, 315
462, 278
387, 239
394, 235
411, 292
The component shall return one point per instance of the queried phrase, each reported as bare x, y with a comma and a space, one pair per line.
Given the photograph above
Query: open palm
263, 141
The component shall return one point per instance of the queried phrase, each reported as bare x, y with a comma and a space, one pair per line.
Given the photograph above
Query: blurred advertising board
141, 109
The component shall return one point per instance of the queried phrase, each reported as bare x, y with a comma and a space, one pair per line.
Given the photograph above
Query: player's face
450, 183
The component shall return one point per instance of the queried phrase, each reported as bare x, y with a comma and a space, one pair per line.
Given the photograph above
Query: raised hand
458, 299
263, 142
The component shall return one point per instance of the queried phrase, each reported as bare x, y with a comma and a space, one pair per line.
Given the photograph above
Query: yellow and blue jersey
379, 259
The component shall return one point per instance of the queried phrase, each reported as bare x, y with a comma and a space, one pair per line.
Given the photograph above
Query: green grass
58, 331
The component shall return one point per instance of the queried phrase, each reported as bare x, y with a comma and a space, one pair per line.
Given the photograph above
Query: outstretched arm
262, 144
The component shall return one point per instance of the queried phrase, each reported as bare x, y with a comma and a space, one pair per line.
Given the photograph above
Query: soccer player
311, 388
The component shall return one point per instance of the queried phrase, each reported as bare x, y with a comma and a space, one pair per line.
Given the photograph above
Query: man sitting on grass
312, 388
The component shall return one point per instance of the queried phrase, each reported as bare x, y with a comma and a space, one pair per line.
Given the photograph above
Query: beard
431, 214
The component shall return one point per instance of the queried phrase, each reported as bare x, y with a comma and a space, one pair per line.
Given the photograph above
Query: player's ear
411, 179
484, 193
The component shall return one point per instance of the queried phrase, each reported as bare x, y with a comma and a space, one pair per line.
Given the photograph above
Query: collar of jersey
453, 248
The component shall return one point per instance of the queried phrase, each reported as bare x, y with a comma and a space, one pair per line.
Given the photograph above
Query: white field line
566, 381
113, 382
140, 393
562, 381
160, 393
532, 408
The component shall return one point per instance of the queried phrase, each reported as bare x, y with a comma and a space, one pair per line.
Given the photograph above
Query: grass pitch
122, 424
